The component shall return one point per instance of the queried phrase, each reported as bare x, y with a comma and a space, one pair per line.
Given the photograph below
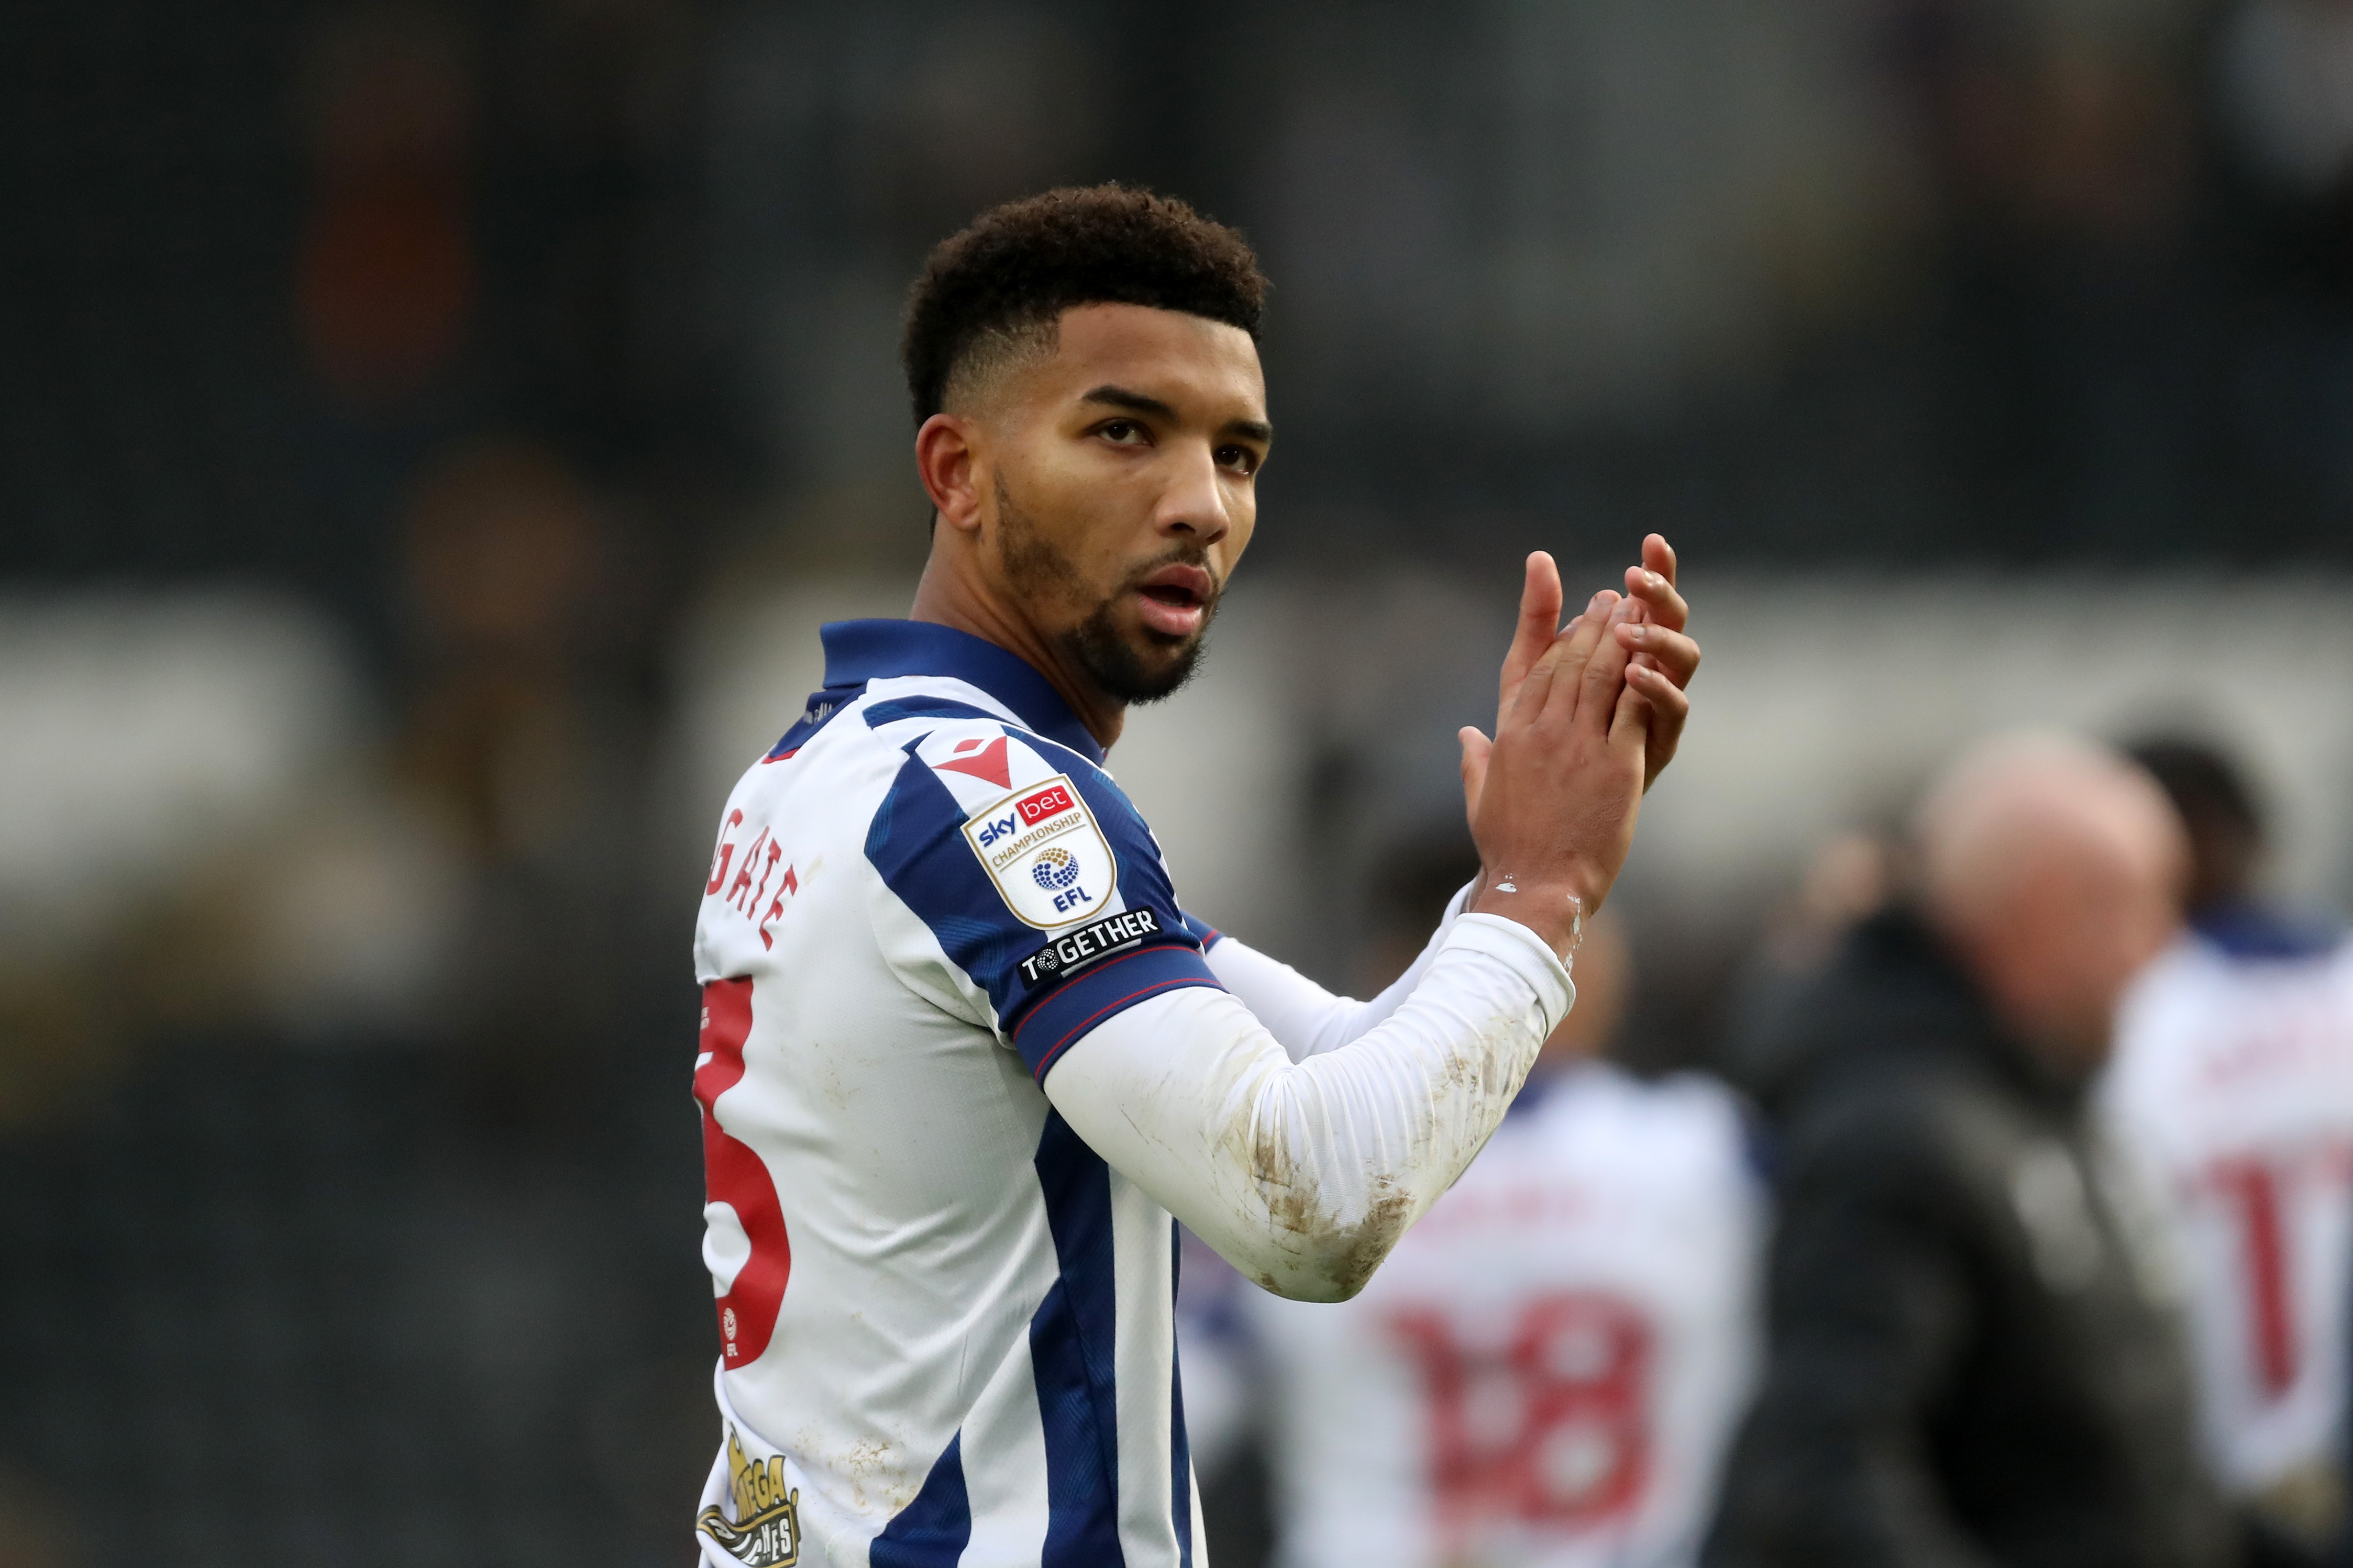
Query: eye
1242, 459
1120, 432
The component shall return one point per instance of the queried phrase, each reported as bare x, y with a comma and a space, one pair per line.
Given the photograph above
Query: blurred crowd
2013, 1223
429, 432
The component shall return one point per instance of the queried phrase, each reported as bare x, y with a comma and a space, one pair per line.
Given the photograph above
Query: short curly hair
1004, 281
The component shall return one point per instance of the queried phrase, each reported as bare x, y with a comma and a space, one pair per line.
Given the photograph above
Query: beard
1040, 574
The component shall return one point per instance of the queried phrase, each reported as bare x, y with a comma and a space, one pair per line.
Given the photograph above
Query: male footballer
963, 1056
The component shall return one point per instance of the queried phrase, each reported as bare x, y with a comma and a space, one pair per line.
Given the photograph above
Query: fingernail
1654, 580
1595, 603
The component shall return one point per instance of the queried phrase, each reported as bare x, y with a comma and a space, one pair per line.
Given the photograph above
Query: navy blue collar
2249, 930
859, 651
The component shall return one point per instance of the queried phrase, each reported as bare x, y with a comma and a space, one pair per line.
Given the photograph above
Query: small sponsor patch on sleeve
1043, 852
1067, 955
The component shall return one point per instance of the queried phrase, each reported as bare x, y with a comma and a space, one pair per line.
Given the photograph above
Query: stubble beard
1040, 574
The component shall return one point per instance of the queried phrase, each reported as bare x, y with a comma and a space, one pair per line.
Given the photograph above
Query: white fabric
2231, 1091
1304, 1016
1303, 1174
1549, 1367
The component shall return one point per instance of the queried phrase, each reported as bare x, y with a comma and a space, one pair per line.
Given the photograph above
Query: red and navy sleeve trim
1062, 1016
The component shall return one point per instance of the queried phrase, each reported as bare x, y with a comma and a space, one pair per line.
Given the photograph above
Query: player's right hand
1553, 798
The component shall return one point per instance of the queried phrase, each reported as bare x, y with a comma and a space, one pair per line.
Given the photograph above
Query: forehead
1198, 366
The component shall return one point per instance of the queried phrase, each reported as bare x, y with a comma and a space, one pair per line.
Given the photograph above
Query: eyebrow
1139, 403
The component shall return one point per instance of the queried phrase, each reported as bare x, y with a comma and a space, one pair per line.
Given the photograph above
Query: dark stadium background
317, 318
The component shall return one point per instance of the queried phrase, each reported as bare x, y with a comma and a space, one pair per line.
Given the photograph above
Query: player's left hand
1664, 657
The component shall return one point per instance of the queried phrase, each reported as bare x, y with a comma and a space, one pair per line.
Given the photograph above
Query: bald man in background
1965, 1366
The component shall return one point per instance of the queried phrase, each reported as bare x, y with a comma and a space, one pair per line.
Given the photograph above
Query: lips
1175, 600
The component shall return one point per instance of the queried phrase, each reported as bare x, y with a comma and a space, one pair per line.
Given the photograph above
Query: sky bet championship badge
1045, 854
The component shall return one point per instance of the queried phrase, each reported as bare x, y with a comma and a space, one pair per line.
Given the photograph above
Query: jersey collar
859, 651
2249, 930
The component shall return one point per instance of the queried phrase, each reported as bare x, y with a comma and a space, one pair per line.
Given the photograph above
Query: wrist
1556, 910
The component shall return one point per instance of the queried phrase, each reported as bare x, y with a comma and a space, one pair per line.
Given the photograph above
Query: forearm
1303, 1017
1303, 1174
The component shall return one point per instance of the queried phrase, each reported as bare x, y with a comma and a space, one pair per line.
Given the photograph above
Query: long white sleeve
1303, 1174
1304, 1018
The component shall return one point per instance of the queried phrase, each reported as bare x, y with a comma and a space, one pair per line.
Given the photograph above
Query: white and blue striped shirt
946, 1322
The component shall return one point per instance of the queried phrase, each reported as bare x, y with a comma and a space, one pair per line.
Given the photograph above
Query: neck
951, 597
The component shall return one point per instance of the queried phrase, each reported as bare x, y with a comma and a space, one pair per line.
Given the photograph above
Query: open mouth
1175, 599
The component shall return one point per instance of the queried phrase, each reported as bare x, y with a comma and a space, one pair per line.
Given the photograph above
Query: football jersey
2232, 1091
1549, 1367
945, 1323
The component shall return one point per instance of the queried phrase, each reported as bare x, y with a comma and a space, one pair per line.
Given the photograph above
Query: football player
962, 1053
2233, 1090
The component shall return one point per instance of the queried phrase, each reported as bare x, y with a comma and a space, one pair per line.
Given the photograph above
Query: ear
947, 457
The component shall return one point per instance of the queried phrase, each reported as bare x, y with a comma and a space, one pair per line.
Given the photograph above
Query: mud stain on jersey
869, 1459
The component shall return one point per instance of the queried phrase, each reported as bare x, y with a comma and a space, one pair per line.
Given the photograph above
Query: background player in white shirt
1548, 1368
963, 1057
2233, 1090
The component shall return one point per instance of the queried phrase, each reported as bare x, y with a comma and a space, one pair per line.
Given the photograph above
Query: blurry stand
168, 758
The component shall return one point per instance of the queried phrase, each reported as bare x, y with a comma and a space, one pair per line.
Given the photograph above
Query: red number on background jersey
2251, 1188
732, 1174
1546, 1428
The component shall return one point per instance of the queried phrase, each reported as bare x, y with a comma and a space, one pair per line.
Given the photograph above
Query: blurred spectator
519, 744
503, 568
1966, 1365
2232, 1089
1548, 1368
1850, 877
387, 274
2287, 80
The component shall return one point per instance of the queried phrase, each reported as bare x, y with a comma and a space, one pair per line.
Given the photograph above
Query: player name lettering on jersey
1068, 955
1045, 854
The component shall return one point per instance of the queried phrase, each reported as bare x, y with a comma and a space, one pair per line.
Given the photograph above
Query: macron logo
983, 761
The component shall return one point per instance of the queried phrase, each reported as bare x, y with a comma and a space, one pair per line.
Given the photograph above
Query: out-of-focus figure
1548, 1368
1966, 1364
2233, 1088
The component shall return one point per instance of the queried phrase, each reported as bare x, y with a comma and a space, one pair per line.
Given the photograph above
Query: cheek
2112, 945
1244, 524
1065, 512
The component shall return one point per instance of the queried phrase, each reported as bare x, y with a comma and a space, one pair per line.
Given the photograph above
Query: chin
1135, 664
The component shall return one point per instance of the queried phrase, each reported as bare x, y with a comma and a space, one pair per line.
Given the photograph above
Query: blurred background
430, 435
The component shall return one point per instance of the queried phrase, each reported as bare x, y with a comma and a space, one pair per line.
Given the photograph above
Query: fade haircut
990, 296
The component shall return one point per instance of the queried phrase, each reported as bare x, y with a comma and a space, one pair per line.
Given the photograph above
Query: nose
1194, 505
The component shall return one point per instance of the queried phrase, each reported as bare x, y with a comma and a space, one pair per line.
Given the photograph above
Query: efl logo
1051, 801
1042, 850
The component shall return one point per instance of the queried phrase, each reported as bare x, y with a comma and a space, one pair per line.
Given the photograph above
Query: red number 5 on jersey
746, 1223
